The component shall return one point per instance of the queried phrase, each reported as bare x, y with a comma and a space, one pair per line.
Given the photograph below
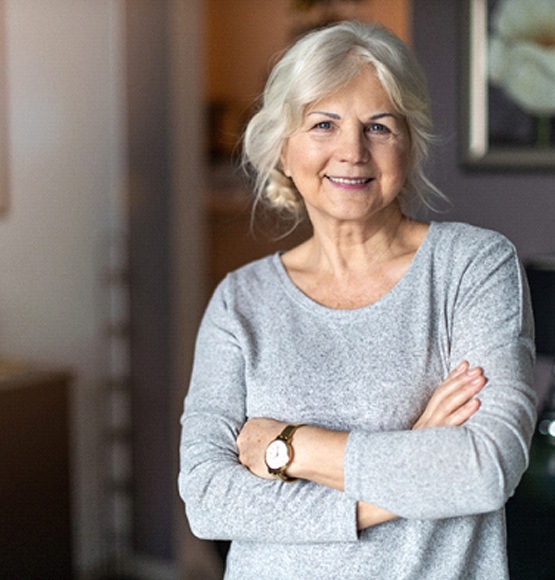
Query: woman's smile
354, 182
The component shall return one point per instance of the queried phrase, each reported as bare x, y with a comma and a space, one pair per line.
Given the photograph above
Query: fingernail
474, 371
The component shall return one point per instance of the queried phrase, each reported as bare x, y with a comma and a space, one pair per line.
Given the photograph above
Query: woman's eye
325, 125
377, 128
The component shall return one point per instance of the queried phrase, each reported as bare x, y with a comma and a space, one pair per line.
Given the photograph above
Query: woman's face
349, 158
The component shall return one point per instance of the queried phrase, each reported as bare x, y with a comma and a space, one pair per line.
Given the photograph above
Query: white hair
316, 66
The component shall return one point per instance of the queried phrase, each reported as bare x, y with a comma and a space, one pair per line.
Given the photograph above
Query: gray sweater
265, 349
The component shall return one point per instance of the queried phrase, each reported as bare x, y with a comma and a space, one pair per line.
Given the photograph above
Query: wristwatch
279, 453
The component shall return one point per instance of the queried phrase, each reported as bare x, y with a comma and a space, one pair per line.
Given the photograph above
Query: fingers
252, 440
463, 367
454, 402
457, 390
463, 413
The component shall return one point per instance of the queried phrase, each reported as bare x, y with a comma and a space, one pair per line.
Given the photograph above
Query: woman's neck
352, 267
339, 248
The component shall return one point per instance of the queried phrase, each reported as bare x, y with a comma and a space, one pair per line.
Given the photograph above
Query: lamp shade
541, 278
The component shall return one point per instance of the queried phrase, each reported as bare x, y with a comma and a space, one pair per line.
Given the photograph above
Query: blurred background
121, 209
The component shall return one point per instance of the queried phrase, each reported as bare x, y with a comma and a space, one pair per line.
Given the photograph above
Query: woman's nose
353, 147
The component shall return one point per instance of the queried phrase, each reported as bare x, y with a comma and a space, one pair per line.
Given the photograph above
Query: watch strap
287, 436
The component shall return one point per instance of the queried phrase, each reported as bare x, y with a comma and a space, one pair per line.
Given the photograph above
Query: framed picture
508, 92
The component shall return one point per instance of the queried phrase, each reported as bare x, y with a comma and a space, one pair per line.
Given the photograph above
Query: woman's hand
454, 401
255, 435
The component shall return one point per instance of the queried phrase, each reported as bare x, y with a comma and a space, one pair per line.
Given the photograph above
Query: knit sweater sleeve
223, 499
454, 471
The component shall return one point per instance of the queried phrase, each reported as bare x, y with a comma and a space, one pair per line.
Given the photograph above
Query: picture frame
495, 131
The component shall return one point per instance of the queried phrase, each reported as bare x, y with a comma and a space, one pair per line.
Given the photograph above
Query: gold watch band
287, 436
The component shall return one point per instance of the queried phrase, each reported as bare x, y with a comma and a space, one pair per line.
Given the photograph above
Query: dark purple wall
520, 204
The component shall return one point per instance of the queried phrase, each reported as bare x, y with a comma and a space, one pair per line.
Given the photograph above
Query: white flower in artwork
522, 53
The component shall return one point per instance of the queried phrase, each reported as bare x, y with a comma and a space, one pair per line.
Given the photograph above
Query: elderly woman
360, 406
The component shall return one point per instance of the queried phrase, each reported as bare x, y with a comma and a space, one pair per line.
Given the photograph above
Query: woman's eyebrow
337, 117
330, 115
382, 115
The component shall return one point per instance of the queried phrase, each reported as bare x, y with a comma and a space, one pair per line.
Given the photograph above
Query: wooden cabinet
35, 522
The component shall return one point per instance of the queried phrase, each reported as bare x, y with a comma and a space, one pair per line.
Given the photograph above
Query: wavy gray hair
313, 68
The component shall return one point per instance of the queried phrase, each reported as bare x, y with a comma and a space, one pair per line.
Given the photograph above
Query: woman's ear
283, 164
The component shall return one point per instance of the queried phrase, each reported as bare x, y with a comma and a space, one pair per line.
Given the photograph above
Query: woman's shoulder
464, 251
254, 270
251, 278
466, 238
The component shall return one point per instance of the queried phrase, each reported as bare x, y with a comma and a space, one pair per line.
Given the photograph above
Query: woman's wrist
318, 456
370, 515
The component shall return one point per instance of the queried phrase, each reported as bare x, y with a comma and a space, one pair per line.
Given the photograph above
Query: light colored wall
66, 161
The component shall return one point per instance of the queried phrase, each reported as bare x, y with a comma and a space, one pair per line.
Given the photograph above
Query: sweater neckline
304, 300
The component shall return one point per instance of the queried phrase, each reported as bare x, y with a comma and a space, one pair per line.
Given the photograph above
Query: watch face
277, 454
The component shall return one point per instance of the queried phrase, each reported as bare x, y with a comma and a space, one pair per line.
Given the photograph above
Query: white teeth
348, 181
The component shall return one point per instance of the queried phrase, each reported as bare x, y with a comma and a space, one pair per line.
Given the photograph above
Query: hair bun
281, 193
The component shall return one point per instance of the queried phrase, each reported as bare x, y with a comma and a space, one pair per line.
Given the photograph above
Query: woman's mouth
349, 180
